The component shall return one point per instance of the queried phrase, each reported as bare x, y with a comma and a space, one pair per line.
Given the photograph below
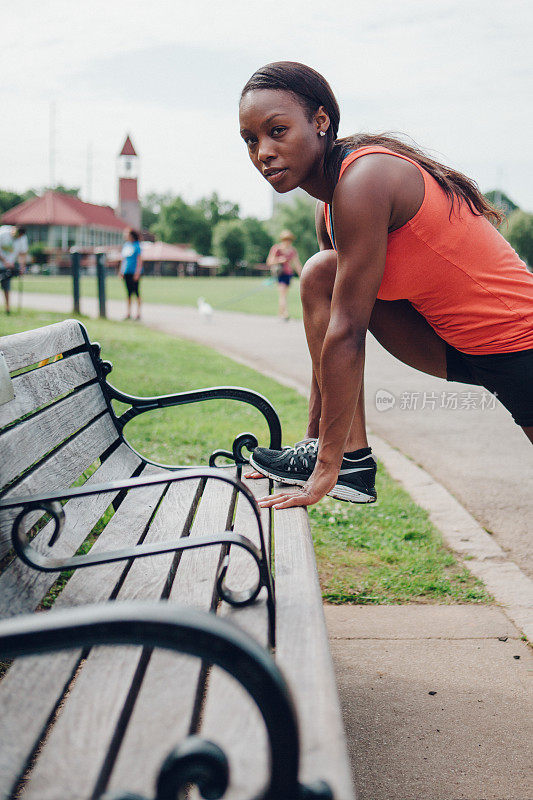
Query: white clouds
455, 76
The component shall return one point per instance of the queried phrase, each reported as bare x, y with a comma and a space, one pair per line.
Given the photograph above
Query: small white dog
205, 309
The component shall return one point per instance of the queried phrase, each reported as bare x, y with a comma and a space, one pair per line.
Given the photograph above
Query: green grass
387, 552
248, 295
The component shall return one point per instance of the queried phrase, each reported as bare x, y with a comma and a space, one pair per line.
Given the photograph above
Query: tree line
214, 226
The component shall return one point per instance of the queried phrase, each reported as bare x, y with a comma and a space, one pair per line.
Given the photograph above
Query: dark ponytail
312, 91
455, 185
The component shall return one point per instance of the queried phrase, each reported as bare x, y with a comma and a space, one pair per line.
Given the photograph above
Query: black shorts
509, 376
285, 279
131, 285
6, 275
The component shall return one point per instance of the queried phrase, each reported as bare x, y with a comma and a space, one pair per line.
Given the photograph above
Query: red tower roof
54, 208
128, 149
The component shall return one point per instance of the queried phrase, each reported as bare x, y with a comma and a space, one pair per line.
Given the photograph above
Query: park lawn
387, 552
248, 295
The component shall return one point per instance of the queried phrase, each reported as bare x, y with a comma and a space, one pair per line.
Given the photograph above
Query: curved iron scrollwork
139, 405
198, 634
244, 440
102, 367
50, 505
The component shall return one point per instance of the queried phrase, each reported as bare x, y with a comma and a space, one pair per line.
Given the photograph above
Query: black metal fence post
75, 267
100, 276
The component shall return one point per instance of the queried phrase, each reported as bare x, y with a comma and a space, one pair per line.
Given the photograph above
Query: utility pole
51, 146
89, 172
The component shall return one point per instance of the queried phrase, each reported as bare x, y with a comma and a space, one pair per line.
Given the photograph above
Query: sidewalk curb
484, 558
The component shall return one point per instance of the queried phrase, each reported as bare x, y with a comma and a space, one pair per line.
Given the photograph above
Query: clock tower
129, 207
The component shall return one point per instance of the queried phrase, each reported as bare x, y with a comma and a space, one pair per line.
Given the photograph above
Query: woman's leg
396, 325
138, 297
316, 287
283, 289
401, 330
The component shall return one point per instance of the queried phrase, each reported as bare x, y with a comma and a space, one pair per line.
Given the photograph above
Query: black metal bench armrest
139, 405
49, 502
198, 634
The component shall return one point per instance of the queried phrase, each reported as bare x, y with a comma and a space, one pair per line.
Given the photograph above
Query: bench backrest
59, 422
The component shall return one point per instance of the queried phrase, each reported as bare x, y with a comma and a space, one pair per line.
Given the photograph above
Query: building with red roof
62, 221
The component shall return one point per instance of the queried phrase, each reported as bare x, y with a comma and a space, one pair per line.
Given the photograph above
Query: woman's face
283, 144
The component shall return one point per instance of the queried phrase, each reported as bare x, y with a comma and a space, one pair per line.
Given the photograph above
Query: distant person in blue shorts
284, 262
131, 269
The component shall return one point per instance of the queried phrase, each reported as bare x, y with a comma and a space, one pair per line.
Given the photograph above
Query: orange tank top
457, 271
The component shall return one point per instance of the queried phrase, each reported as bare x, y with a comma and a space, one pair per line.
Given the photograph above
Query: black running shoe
294, 465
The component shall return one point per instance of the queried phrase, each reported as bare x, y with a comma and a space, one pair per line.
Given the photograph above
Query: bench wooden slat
230, 717
85, 728
22, 588
171, 679
47, 430
27, 348
40, 681
60, 470
302, 641
41, 386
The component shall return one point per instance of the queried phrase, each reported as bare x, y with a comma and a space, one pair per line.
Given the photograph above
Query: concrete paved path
470, 739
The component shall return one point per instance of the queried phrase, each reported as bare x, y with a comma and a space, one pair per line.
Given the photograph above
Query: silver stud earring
322, 133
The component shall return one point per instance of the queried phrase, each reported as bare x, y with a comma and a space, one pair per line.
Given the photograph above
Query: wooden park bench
218, 676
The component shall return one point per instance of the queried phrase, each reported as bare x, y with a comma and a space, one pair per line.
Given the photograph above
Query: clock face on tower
127, 167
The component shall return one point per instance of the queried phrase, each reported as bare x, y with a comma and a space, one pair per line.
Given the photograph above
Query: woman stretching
407, 251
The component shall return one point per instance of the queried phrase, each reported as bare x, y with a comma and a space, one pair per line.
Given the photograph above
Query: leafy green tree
298, 217
519, 234
72, 191
229, 242
215, 210
38, 252
258, 240
9, 199
180, 223
501, 201
151, 205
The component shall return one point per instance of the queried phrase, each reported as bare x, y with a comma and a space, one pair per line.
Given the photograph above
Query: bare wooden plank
26, 443
23, 588
23, 349
41, 386
60, 470
303, 654
28, 693
231, 719
86, 726
163, 709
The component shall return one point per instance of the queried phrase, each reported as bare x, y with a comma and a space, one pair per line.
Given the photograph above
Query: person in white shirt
13, 253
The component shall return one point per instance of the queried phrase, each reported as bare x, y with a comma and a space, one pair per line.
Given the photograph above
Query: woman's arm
362, 208
295, 263
138, 264
273, 256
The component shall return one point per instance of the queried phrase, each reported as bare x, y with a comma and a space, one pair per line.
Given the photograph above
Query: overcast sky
456, 76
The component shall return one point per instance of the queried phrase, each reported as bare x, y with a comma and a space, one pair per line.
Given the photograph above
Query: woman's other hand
307, 495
